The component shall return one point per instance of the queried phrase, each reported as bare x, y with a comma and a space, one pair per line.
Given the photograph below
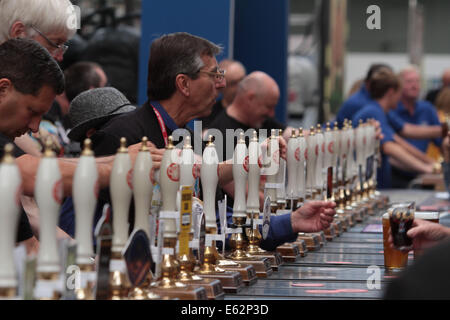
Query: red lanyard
161, 125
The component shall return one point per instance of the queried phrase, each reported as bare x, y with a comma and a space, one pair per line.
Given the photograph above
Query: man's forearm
413, 131
68, 166
413, 150
405, 158
28, 166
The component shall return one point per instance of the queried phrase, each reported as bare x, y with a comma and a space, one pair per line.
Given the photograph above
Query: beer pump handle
319, 157
254, 173
48, 193
187, 169
209, 179
10, 191
170, 181
293, 159
120, 191
85, 190
301, 183
240, 172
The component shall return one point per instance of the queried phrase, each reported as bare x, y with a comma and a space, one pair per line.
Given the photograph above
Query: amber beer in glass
393, 259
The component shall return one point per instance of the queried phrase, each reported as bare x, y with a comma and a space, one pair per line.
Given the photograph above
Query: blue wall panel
261, 41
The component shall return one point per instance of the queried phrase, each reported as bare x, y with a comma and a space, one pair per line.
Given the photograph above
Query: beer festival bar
147, 160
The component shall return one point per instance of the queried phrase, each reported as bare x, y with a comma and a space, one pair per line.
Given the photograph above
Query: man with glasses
56, 50
235, 72
45, 21
184, 80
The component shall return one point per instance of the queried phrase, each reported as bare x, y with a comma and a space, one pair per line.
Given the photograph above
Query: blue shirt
280, 231
353, 104
424, 114
374, 110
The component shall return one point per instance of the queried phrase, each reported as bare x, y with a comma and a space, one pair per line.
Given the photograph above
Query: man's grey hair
48, 16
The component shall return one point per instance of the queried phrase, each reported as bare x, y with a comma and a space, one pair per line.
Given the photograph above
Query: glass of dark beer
394, 260
401, 218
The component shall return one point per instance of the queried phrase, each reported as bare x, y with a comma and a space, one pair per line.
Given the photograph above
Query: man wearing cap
91, 109
88, 112
79, 77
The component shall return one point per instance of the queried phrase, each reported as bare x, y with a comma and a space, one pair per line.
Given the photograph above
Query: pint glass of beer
432, 216
394, 260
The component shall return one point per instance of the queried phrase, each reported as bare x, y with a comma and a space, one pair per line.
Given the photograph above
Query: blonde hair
48, 16
443, 100
355, 87
409, 68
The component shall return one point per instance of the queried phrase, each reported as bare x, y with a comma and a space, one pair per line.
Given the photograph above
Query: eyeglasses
57, 49
219, 75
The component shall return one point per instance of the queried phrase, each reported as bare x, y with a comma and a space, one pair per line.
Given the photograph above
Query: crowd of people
38, 99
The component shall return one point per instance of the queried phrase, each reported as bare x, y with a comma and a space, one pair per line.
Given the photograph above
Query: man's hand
157, 154
281, 144
378, 133
425, 234
314, 216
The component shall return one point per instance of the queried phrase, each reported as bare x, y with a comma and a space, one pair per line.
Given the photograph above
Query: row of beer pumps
336, 165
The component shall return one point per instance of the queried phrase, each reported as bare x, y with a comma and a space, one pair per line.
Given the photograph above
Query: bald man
432, 94
253, 107
234, 73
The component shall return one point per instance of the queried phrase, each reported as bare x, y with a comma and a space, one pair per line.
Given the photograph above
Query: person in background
356, 86
88, 112
433, 94
44, 21
80, 76
413, 119
443, 104
253, 107
93, 108
359, 99
385, 89
29, 81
